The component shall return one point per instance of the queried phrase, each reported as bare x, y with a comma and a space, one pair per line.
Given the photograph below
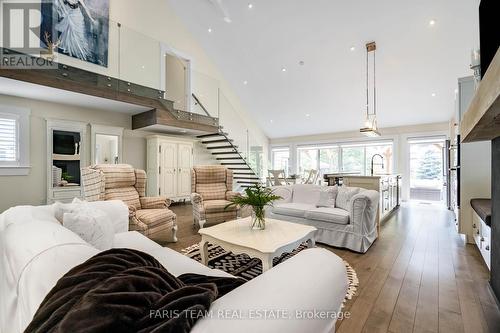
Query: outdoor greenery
430, 168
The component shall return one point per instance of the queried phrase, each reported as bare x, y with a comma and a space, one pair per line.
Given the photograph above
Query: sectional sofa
36, 250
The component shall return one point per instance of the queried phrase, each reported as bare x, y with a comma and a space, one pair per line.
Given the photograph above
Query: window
385, 150
308, 159
280, 159
8, 138
14, 141
352, 158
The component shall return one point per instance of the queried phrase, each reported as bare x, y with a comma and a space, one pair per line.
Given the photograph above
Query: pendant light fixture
370, 128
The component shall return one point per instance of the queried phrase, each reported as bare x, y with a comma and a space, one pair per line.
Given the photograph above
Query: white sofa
36, 250
354, 229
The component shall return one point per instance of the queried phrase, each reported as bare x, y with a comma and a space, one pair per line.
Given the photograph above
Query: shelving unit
72, 159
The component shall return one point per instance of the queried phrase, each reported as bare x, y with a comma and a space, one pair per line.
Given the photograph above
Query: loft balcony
161, 90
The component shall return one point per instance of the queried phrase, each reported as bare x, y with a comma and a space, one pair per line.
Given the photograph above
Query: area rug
241, 265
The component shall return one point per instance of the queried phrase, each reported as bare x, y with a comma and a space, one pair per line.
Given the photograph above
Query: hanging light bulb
370, 128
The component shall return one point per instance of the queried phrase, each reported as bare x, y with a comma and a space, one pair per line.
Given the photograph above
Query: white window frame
281, 149
21, 166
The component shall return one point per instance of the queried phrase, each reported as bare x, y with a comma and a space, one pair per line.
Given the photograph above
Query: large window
9, 129
353, 158
14, 141
280, 159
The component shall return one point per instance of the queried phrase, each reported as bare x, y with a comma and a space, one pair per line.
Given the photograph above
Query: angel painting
81, 27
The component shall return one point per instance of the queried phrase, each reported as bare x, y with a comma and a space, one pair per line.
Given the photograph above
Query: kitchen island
389, 187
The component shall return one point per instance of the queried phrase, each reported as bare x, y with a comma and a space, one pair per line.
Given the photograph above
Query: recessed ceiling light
308, 115
432, 22
209, 30
352, 48
245, 82
271, 121
250, 6
433, 94
283, 69
143, 66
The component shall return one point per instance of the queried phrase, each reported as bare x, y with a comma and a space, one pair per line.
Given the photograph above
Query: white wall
475, 182
31, 189
399, 135
145, 25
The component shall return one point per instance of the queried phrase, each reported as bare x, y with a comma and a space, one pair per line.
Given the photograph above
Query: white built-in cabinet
475, 166
66, 154
169, 164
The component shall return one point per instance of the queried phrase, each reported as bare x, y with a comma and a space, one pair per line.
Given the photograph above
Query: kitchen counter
389, 187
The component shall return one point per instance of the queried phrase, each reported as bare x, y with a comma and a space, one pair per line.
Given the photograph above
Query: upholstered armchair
212, 187
148, 215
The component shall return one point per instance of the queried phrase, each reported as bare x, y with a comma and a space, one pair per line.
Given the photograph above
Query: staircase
227, 154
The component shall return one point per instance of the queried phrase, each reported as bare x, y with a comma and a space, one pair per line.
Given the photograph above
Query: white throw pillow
61, 208
344, 196
327, 197
92, 226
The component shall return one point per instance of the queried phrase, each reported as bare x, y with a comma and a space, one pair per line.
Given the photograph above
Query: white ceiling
44, 93
414, 59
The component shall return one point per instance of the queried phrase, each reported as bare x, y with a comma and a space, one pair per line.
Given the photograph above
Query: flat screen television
65, 143
489, 31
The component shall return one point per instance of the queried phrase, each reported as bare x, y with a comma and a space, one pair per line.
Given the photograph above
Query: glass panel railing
139, 61
205, 94
233, 124
256, 153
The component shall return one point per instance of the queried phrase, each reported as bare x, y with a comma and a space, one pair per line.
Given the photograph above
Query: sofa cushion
128, 195
217, 206
344, 196
306, 193
327, 196
292, 209
213, 191
209, 174
328, 214
154, 217
117, 175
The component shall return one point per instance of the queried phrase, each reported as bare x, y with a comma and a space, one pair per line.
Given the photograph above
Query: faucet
372, 164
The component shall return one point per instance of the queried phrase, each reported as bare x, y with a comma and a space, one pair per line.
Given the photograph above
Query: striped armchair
212, 187
148, 215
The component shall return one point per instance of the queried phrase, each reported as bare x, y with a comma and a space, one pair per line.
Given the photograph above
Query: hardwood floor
419, 276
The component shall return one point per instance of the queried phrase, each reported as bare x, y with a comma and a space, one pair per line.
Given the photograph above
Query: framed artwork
77, 28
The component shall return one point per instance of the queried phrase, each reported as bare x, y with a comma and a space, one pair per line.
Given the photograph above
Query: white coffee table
237, 236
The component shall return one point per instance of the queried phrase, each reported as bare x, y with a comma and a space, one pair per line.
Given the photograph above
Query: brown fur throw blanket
124, 290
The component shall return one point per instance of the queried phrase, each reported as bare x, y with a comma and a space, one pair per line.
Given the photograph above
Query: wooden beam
89, 83
482, 120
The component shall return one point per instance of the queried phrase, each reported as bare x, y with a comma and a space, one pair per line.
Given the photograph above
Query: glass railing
100, 53
112, 57
249, 145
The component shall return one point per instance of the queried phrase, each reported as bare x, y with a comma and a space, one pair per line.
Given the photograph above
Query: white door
168, 172
184, 169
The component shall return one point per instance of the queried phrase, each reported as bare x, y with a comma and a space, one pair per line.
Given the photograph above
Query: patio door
427, 169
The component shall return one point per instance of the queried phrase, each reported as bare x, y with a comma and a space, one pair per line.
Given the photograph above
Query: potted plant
257, 197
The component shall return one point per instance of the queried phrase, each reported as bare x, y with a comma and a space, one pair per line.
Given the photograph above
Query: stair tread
221, 147
248, 182
229, 158
250, 178
235, 163
211, 135
216, 141
224, 153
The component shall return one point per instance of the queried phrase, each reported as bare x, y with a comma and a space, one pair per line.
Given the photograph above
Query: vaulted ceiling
423, 47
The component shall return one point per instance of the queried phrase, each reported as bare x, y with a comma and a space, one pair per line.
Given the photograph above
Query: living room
192, 156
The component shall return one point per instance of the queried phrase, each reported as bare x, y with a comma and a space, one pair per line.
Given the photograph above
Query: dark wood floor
419, 276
